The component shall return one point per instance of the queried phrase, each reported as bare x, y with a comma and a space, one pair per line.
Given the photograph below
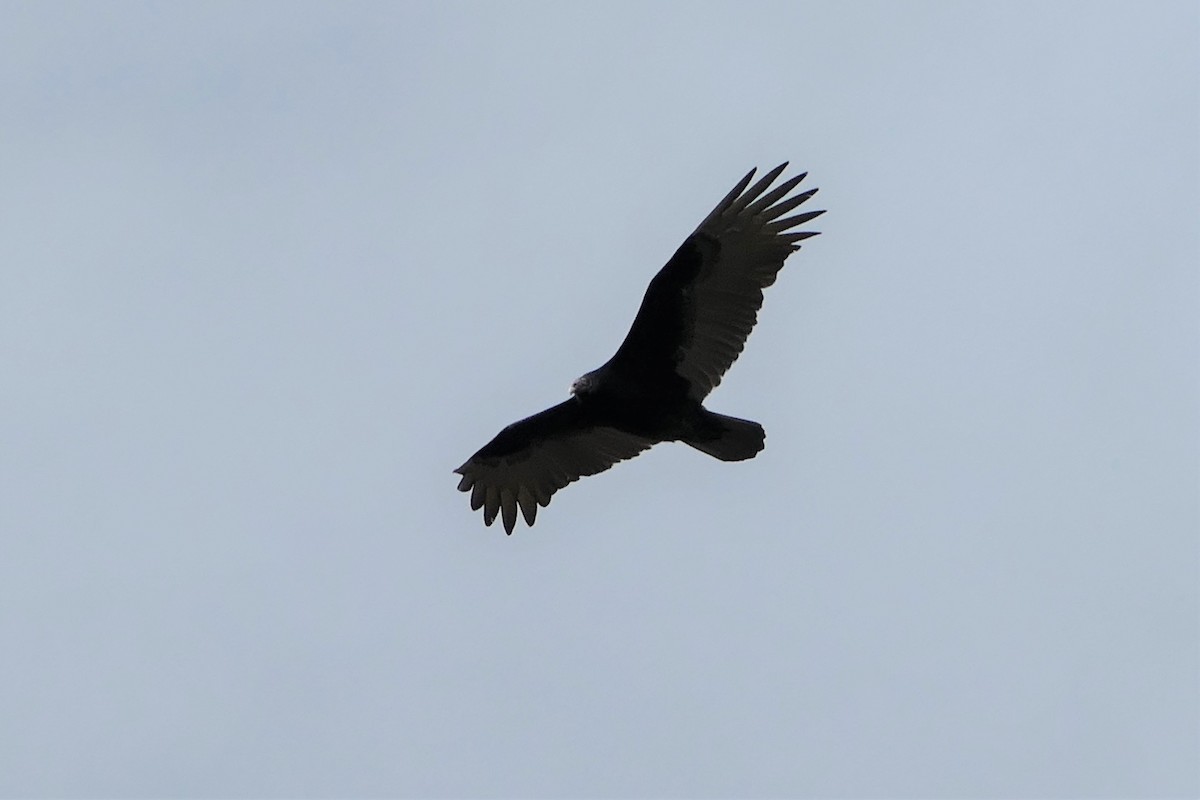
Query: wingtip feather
782, 225
491, 505
529, 505
508, 509
750, 195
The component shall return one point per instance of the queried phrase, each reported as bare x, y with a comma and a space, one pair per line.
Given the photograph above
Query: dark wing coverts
532, 459
701, 306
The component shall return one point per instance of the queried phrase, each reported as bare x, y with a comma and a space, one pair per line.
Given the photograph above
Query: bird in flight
692, 325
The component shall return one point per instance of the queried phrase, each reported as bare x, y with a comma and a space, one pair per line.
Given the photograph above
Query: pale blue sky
271, 271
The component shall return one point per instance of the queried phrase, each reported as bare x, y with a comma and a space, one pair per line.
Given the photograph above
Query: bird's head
584, 385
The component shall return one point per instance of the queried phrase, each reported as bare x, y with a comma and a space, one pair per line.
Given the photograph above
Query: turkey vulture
692, 324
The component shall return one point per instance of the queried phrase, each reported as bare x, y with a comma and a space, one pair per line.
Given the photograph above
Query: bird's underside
691, 326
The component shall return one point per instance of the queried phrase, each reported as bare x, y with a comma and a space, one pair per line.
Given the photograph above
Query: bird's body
692, 324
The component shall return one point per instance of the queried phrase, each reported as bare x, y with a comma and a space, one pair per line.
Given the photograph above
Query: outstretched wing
532, 459
700, 307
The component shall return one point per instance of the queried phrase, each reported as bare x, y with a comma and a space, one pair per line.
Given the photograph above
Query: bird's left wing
700, 307
532, 459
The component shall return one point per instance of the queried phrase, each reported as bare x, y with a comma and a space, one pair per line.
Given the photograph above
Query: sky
270, 271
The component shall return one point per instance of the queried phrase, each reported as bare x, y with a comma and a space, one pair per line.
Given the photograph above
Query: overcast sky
269, 272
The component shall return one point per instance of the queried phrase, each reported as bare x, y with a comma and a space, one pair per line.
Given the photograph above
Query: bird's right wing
532, 459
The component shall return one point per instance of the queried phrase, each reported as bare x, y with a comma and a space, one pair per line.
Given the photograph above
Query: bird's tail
729, 438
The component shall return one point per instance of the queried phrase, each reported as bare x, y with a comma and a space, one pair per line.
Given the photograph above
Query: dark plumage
692, 324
